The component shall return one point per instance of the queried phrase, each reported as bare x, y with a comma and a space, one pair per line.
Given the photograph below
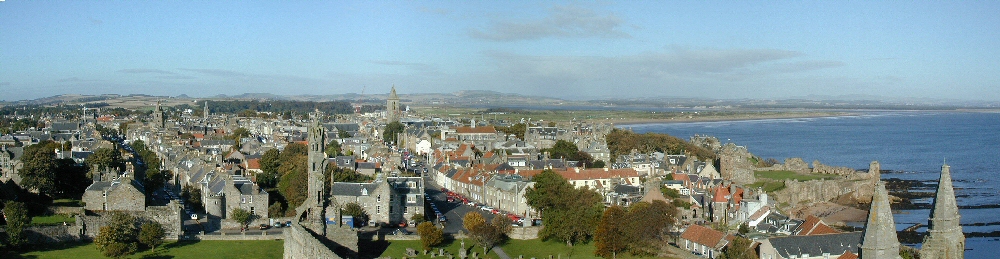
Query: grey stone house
391, 200
123, 193
10, 163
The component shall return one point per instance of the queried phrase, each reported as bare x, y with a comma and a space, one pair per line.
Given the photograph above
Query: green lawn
56, 219
768, 186
67, 203
529, 248
184, 249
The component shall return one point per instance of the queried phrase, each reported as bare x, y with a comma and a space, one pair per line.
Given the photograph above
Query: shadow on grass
177, 244
40, 248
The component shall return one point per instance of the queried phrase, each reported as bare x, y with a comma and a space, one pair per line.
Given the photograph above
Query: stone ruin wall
300, 243
819, 168
735, 165
170, 217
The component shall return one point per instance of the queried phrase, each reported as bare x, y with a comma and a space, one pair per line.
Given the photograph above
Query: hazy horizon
566, 50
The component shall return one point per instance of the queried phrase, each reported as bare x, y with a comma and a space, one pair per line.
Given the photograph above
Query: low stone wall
301, 243
65, 210
168, 216
53, 234
819, 168
524, 233
240, 236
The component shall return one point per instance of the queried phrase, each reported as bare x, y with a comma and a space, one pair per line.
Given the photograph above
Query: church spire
944, 238
880, 241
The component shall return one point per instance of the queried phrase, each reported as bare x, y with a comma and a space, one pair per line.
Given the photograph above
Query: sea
912, 145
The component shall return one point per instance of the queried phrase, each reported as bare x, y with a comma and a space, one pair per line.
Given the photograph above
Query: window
243, 199
411, 199
378, 209
378, 198
253, 211
390, 209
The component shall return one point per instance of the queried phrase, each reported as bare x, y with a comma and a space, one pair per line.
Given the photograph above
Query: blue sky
574, 50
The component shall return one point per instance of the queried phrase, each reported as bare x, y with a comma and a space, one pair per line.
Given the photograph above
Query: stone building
391, 200
704, 241
392, 106
122, 193
159, 120
880, 240
225, 192
10, 163
944, 238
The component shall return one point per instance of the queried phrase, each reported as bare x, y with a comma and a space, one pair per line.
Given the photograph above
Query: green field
67, 203
51, 220
529, 248
185, 249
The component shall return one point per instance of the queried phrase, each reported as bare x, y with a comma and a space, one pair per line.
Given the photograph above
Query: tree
343, 134
645, 224
516, 129
242, 216
355, 210
391, 132
276, 210
418, 218
739, 249
294, 181
71, 179
430, 235
106, 158
569, 214
151, 234
332, 149
611, 237
238, 134
17, 217
486, 235
192, 196
118, 238
39, 168
598, 164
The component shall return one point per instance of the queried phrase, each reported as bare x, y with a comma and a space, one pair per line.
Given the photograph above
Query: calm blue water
913, 143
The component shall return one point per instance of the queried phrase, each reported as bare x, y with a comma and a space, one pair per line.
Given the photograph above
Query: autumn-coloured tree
430, 235
611, 237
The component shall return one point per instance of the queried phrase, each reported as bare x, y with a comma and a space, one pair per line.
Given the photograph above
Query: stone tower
311, 211
205, 113
944, 238
158, 119
880, 241
392, 106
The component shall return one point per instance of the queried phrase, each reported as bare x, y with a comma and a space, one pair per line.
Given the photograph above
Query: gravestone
410, 252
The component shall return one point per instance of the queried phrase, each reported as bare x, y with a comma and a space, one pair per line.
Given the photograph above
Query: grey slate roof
834, 244
351, 189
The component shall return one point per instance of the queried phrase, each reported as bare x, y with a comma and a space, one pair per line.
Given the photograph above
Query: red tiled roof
720, 194
253, 163
848, 255
815, 226
703, 235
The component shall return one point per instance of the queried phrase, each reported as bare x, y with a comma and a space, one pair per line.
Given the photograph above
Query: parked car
401, 232
486, 208
442, 218
288, 223
264, 226
194, 216
277, 225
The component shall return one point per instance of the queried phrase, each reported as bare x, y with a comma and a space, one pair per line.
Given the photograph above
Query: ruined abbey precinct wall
169, 216
794, 164
735, 164
819, 168
300, 243
859, 186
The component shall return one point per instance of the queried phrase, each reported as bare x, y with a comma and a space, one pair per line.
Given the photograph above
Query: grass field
56, 219
67, 203
186, 249
529, 248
